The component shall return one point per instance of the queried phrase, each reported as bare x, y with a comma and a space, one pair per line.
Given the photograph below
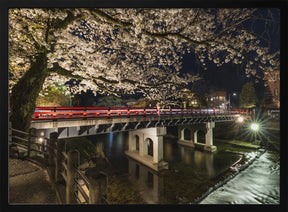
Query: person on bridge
158, 109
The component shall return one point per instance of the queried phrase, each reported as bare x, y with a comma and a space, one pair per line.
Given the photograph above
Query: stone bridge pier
188, 136
146, 147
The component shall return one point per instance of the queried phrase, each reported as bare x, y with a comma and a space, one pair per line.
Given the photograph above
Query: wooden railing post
72, 162
51, 154
97, 188
60, 158
31, 140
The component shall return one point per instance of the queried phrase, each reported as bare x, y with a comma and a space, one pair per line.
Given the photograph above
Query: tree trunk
25, 93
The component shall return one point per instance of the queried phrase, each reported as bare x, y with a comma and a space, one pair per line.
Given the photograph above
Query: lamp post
229, 102
256, 128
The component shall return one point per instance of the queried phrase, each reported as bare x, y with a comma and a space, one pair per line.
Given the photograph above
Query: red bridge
46, 113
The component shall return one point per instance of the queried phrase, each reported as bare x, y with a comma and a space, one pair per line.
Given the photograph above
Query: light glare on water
258, 184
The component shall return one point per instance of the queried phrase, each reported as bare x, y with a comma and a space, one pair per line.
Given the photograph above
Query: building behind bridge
217, 99
272, 82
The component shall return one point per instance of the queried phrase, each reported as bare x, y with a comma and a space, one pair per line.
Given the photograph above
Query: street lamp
254, 126
40, 140
229, 102
240, 119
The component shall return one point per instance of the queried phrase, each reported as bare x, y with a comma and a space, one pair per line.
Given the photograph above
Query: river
257, 184
191, 173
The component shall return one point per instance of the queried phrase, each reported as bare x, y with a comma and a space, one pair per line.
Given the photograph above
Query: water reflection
190, 171
148, 181
198, 160
114, 145
110, 139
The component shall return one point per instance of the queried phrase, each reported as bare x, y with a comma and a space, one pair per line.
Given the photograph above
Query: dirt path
29, 184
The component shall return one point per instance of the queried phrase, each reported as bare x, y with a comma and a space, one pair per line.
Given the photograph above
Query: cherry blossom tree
124, 51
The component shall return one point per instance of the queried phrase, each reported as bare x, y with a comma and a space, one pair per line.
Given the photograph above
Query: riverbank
191, 173
237, 143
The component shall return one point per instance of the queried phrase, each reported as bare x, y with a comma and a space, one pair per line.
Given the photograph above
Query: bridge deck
163, 120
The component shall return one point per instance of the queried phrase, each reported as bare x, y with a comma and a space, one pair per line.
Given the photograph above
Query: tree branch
62, 24
62, 71
110, 19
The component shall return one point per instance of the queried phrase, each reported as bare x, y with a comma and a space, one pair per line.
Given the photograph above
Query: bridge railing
82, 189
26, 144
86, 112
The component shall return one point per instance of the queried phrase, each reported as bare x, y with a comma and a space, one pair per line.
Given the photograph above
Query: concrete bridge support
188, 136
209, 137
185, 131
146, 146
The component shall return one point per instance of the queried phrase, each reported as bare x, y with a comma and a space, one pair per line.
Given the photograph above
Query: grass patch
235, 146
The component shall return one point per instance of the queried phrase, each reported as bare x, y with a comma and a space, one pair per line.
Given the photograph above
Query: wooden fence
62, 167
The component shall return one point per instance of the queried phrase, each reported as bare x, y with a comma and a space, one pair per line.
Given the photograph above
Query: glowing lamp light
254, 126
240, 119
40, 140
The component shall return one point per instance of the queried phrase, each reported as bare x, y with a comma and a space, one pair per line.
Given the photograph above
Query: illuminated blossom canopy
117, 51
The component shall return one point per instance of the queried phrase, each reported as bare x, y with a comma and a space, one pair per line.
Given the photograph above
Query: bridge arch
199, 136
137, 142
148, 147
187, 134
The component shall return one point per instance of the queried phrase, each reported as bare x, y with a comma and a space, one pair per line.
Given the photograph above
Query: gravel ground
29, 184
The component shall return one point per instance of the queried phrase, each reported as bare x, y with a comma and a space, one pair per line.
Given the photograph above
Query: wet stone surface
258, 184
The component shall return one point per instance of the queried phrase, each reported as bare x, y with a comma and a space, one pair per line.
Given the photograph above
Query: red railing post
85, 113
54, 114
128, 112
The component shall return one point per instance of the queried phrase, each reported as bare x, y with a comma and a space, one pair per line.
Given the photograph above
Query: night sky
230, 77
227, 77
